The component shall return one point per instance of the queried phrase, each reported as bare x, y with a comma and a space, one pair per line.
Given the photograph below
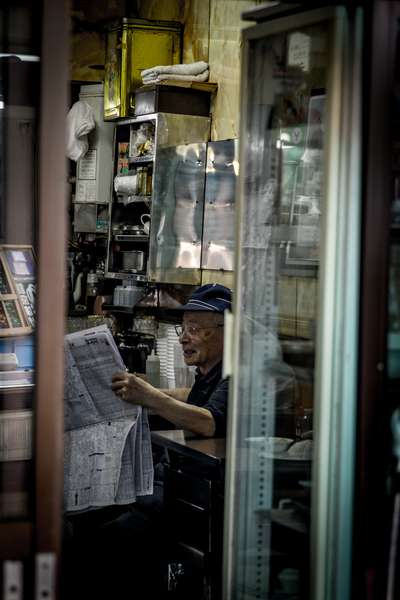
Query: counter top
210, 449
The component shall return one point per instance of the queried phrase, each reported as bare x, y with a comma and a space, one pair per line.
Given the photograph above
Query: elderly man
202, 409
115, 541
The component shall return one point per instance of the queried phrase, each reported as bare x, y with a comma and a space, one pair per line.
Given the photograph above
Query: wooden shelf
173, 315
141, 159
114, 308
206, 86
120, 237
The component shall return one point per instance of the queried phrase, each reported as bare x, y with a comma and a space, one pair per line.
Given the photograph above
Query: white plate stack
162, 352
173, 344
173, 370
184, 375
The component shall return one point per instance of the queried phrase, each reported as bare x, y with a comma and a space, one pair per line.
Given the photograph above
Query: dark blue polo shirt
210, 391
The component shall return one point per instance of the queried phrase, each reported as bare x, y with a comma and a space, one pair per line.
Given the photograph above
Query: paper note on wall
299, 51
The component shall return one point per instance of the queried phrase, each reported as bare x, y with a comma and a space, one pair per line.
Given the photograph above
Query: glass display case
150, 235
289, 485
218, 246
17, 350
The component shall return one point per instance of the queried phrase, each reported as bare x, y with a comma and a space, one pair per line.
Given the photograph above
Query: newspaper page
108, 458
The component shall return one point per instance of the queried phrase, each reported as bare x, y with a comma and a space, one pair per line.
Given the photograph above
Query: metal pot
133, 260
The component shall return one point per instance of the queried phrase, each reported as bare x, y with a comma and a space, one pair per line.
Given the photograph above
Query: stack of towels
197, 71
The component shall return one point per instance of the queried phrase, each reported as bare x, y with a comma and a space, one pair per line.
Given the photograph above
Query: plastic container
91, 291
127, 295
184, 375
153, 369
8, 361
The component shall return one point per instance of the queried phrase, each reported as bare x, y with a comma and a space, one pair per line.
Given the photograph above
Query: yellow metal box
134, 45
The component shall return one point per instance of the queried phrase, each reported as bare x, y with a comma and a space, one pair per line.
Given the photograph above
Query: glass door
289, 483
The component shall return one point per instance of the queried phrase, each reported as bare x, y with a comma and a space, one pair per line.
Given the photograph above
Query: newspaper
108, 457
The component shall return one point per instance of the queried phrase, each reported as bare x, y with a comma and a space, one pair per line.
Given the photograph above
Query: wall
87, 36
211, 33
224, 59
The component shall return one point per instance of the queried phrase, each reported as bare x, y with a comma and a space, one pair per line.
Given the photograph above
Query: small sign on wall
87, 165
17, 290
299, 51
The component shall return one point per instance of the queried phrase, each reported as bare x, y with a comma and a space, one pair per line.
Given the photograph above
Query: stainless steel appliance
192, 233
177, 214
168, 240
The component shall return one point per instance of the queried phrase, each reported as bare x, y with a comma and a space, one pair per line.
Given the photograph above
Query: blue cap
212, 297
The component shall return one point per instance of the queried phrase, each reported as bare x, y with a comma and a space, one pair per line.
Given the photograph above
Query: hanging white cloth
80, 121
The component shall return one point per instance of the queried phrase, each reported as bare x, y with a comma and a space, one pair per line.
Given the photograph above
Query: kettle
146, 224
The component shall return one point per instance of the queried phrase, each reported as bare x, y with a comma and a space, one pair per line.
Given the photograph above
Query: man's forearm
135, 390
183, 415
177, 393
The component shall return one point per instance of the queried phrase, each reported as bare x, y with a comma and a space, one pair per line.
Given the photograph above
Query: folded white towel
80, 121
184, 69
201, 77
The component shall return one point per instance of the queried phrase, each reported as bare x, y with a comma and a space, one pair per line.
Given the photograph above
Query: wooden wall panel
164, 10
297, 306
193, 14
88, 38
196, 31
287, 300
306, 310
212, 32
87, 48
224, 55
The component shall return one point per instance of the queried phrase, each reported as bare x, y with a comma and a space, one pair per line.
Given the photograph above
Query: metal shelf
130, 238
141, 159
146, 198
125, 275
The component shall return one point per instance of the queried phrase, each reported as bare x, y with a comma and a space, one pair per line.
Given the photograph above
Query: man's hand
132, 388
135, 390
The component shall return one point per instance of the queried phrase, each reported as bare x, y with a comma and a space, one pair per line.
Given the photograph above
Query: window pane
280, 252
19, 89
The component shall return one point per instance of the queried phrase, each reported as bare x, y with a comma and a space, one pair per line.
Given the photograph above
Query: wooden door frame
23, 539
51, 301
373, 435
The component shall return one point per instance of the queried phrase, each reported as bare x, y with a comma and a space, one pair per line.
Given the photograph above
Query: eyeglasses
193, 329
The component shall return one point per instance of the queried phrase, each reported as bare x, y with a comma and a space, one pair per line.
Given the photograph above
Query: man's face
202, 339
